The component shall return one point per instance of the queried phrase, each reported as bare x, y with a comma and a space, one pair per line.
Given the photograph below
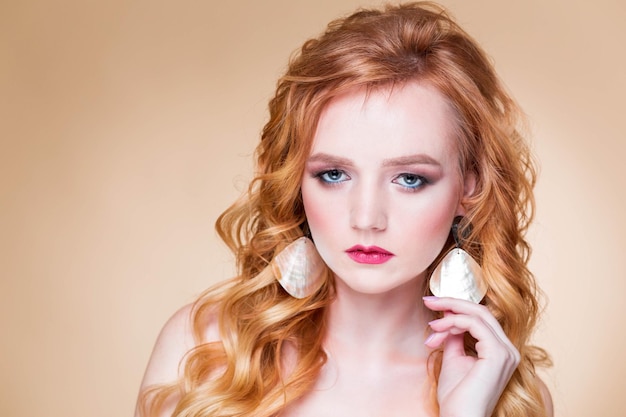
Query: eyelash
421, 181
322, 176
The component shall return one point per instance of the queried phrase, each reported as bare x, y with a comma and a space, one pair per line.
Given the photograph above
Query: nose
368, 208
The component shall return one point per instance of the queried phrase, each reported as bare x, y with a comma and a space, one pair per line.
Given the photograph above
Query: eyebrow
417, 159
329, 159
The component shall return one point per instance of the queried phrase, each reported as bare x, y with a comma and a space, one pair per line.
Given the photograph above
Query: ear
469, 185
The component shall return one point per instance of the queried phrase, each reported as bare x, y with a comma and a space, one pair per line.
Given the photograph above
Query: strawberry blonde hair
244, 372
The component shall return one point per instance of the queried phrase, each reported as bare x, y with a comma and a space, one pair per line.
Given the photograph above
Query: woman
390, 142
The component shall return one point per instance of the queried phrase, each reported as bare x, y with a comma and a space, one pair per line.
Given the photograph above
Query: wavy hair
245, 372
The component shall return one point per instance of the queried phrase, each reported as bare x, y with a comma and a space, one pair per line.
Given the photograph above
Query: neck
389, 323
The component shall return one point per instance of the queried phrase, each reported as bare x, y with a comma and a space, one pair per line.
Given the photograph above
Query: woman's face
382, 185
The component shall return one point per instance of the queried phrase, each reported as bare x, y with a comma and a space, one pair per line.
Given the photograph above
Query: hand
470, 386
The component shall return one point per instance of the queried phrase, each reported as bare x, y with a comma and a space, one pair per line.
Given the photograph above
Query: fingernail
430, 298
429, 338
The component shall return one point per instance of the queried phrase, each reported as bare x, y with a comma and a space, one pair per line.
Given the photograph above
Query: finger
455, 343
466, 308
460, 323
489, 343
436, 339
454, 346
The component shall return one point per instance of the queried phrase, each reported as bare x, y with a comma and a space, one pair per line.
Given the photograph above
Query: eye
410, 181
332, 176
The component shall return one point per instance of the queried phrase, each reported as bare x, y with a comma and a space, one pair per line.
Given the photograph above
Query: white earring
299, 268
458, 275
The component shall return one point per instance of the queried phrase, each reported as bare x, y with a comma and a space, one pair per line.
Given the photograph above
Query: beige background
126, 127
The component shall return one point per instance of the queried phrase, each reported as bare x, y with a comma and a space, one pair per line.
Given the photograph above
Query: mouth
369, 254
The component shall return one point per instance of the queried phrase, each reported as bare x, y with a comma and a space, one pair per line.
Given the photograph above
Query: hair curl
244, 373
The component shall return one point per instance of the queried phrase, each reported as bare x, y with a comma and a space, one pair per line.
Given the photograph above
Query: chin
369, 285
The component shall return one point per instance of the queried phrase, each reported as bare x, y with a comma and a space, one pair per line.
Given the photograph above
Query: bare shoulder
174, 341
547, 397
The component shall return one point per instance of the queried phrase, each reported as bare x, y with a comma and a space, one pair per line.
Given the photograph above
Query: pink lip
369, 254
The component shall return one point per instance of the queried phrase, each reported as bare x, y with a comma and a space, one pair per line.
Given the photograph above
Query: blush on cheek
324, 218
438, 228
314, 210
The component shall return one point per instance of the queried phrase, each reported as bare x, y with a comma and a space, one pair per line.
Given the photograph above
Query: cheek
317, 213
326, 215
431, 228
439, 229
427, 227
439, 221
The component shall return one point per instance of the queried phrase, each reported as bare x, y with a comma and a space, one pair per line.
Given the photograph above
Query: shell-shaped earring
299, 268
458, 275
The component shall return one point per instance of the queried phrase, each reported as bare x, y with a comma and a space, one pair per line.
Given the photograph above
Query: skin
384, 171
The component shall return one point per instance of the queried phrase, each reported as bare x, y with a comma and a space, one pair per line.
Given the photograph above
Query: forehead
388, 121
